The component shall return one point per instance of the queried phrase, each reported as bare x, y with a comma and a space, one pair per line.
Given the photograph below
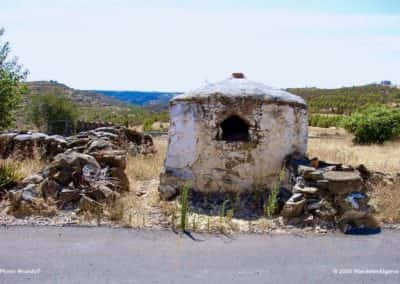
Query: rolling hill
81, 98
334, 101
347, 99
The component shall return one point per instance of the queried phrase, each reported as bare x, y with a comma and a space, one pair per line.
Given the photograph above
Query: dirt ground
335, 145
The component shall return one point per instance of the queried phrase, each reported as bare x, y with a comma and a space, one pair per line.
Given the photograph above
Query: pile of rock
24, 145
88, 174
329, 195
27, 145
82, 125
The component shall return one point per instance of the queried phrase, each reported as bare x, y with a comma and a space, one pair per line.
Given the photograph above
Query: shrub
374, 124
325, 121
148, 124
9, 174
55, 112
11, 75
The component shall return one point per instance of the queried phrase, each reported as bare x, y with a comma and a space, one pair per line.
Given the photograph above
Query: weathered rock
314, 162
99, 144
325, 210
293, 208
107, 129
119, 178
368, 221
305, 171
322, 183
283, 195
356, 219
346, 168
49, 188
28, 193
305, 190
78, 142
64, 176
167, 192
134, 149
134, 136
353, 201
111, 158
14, 197
67, 195
88, 204
37, 136
313, 204
74, 159
101, 193
315, 175
296, 197
364, 172
32, 179
342, 182
57, 140
107, 135
174, 184
23, 137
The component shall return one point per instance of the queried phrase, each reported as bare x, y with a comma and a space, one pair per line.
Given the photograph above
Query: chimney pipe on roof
238, 75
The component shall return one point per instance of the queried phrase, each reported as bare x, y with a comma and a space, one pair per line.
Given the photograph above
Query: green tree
56, 113
11, 76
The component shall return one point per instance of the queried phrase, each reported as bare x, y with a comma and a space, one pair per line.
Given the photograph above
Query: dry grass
163, 126
387, 201
140, 207
27, 167
336, 146
147, 167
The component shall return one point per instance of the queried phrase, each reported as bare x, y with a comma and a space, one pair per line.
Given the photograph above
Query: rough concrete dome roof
237, 86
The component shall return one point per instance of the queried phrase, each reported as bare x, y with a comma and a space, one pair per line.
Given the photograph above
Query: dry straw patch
335, 145
147, 167
26, 167
140, 207
387, 199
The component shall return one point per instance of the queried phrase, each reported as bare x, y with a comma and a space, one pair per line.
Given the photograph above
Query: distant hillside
346, 100
335, 101
80, 97
148, 99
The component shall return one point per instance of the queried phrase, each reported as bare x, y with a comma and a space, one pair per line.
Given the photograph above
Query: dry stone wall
329, 194
84, 171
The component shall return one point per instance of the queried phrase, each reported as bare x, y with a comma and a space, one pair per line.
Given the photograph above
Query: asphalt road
104, 255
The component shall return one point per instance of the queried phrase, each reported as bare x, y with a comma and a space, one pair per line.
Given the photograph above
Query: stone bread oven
232, 136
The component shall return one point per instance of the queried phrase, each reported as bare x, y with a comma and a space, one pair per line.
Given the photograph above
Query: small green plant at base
272, 201
222, 211
271, 205
184, 205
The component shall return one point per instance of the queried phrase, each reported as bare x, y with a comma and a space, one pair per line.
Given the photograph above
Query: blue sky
179, 45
